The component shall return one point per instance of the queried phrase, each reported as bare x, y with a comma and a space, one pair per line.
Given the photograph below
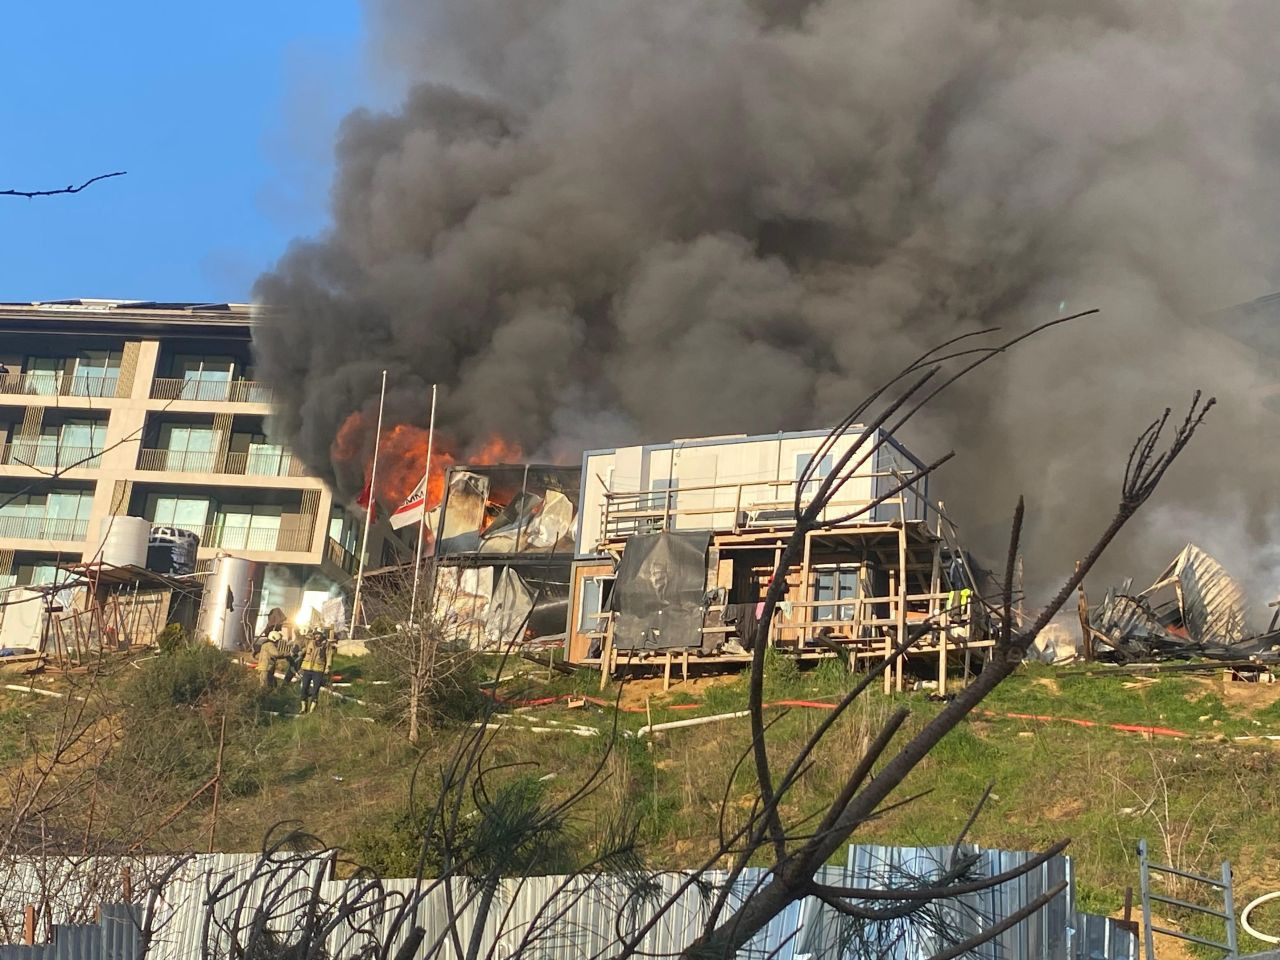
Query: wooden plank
902, 604
606, 652
888, 644
806, 586
935, 582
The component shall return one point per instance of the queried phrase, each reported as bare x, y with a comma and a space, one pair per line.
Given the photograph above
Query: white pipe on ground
691, 722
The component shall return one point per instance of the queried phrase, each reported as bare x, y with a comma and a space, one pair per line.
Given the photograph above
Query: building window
265, 459
663, 495
175, 510
204, 378
838, 582
250, 527
94, 373
83, 434
44, 374
188, 447
56, 515
343, 529
822, 471
596, 593
90, 373
35, 574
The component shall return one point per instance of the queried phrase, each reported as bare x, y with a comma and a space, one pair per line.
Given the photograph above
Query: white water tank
227, 603
121, 542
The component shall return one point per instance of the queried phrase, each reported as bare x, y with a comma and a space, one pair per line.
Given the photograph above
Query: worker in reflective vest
317, 658
958, 604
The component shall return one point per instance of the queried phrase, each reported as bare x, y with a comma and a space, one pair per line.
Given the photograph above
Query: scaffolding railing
752, 505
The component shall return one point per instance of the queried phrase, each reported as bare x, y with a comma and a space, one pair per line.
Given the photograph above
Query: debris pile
1194, 609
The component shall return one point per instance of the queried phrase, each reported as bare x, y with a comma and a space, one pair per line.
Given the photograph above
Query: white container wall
226, 608
719, 483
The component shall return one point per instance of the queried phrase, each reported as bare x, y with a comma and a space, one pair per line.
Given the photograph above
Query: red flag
366, 502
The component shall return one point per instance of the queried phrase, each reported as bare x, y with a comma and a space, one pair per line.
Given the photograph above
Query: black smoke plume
601, 221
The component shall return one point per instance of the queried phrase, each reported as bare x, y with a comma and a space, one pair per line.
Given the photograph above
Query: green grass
1197, 800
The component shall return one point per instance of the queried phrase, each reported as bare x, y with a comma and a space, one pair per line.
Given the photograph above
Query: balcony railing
341, 556
49, 455
44, 528
49, 383
757, 505
232, 391
255, 464
227, 537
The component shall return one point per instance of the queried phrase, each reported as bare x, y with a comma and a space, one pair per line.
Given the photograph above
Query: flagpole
368, 513
422, 524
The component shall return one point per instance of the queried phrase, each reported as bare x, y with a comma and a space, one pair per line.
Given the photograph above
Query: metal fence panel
572, 917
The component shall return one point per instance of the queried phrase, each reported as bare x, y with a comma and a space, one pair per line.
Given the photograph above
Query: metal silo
227, 605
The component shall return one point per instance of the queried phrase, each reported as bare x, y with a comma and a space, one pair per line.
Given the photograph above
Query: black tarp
661, 580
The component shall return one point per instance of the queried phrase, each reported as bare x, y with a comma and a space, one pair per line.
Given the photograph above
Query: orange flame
402, 455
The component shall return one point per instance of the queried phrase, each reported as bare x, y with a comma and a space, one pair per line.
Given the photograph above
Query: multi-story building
113, 408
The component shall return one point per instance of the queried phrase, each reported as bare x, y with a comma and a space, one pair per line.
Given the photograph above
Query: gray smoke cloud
601, 221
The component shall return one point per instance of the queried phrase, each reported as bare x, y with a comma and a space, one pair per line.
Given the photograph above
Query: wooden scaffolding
856, 592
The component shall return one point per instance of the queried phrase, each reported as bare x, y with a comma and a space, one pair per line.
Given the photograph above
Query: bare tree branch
60, 190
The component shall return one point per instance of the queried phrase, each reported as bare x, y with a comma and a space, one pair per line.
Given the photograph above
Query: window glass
69, 505
663, 496
173, 510
245, 527
838, 582
265, 459
184, 437
23, 505
188, 446
42, 573
595, 593
94, 373
822, 471
189, 367
83, 434
43, 375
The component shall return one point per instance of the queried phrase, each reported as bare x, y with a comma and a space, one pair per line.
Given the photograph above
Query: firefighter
317, 658
268, 653
291, 654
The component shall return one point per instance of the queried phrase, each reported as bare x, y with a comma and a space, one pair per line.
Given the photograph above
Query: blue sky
222, 113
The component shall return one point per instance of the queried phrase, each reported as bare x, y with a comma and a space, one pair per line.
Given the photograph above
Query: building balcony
47, 455
249, 540
212, 390
44, 528
341, 557
255, 464
42, 383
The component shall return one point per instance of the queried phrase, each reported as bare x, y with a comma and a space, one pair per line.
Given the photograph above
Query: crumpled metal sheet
1213, 604
1195, 608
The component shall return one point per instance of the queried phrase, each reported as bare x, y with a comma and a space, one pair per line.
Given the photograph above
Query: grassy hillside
1197, 799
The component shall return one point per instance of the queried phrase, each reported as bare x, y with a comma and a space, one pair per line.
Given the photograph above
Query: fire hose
1244, 918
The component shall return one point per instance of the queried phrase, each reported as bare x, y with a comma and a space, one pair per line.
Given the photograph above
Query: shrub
171, 638
186, 676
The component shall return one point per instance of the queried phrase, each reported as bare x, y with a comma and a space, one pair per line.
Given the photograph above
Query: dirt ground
636, 691
1253, 696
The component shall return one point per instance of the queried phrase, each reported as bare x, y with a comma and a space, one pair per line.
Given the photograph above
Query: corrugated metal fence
573, 917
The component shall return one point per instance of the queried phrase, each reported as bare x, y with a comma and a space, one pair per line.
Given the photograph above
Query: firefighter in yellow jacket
317, 658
